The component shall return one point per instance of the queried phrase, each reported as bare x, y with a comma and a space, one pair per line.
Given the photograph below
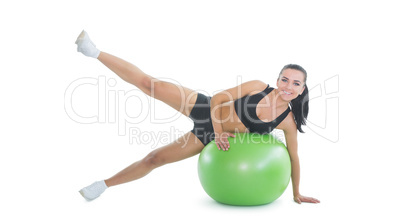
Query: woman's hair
299, 105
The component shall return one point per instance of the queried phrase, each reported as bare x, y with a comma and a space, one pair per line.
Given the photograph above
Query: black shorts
201, 115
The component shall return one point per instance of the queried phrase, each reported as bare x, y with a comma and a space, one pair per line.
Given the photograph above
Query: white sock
86, 46
94, 190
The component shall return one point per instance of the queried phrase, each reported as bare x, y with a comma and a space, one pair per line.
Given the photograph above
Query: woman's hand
221, 140
299, 199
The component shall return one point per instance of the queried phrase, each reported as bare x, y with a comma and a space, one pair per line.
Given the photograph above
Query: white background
46, 157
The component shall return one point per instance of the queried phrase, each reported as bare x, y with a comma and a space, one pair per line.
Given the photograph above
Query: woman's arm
225, 96
291, 143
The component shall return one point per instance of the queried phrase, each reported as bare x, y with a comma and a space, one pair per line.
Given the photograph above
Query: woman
250, 107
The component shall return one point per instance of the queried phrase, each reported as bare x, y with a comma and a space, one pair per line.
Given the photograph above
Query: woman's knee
150, 85
154, 159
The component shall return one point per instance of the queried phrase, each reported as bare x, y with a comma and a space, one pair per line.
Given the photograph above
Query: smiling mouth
287, 93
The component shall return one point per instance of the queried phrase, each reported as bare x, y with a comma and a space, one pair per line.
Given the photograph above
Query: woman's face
290, 84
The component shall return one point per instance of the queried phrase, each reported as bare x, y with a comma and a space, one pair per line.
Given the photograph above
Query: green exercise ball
254, 171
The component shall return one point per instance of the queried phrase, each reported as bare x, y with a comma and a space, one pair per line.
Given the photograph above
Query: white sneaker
86, 46
94, 190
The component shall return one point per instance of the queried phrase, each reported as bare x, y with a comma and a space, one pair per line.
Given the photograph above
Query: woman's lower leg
133, 172
127, 71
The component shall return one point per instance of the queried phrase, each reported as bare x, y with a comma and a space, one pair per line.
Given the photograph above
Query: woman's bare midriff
230, 121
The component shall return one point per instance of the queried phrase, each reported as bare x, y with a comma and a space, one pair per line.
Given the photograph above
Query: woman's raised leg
178, 97
184, 147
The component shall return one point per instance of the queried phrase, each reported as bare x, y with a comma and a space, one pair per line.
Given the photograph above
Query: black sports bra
246, 109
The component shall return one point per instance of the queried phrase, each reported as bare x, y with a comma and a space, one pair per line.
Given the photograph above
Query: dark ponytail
299, 105
299, 108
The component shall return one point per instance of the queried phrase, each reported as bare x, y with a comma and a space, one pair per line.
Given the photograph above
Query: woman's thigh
176, 96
